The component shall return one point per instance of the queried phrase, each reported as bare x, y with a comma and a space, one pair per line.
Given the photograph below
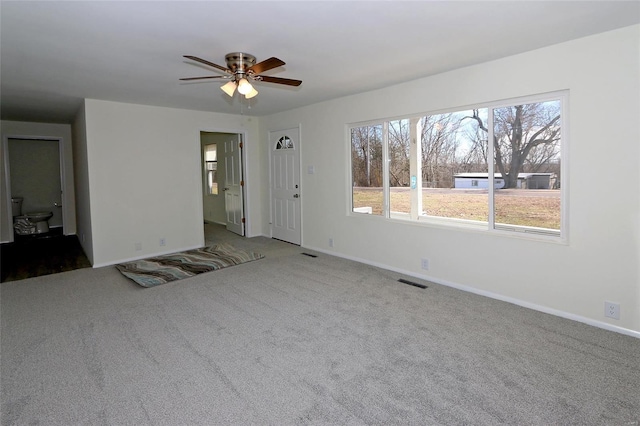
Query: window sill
509, 231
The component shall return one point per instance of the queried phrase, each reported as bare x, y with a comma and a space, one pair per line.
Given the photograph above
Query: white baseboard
213, 222
259, 235
144, 256
523, 303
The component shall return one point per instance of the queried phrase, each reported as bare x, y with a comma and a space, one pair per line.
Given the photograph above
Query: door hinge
243, 220
240, 145
241, 183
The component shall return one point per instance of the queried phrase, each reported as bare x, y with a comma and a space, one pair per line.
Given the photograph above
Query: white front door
285, 185
233, 184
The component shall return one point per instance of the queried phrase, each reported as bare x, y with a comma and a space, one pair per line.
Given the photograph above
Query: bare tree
475, 158
523, 134
366, 156
399, 153
439, 149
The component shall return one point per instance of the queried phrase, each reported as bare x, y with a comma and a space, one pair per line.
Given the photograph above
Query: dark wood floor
35, 255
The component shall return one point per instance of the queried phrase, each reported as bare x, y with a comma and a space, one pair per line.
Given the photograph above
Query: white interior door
233, 184
285, 185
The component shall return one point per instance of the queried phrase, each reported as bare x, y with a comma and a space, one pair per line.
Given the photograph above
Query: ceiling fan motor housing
239, 62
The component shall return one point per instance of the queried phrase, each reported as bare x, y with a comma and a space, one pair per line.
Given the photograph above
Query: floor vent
309, 254
403, 281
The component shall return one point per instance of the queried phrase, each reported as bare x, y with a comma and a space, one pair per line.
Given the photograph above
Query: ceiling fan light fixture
252, 93
229, 88
244, 87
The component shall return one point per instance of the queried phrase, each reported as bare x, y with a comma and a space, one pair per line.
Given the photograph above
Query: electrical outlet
330, 242
138, 246
163, 241
424, 264
612, 310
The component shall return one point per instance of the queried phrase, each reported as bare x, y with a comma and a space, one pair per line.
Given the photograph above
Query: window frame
507, 230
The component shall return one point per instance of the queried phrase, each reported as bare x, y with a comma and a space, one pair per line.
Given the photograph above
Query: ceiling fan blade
266, 65
211, 64
199, 78
280, 80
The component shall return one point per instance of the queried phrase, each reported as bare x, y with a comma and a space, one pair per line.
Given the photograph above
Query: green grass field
526, 207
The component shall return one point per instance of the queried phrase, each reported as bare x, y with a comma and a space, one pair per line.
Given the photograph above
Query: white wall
145, 177
63, 131
599, 263
83, 197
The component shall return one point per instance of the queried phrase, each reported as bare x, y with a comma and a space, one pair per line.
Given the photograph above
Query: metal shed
525, 180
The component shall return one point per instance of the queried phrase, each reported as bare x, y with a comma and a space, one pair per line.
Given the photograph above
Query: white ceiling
55, 53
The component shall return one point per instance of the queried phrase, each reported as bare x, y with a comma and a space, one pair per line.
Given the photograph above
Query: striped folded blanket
172, 267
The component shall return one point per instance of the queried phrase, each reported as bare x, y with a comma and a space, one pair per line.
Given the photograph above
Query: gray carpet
299, 340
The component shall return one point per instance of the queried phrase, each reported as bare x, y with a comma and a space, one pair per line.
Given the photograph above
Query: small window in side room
211, 168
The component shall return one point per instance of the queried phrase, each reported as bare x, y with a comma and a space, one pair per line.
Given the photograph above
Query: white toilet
30, 222
40, 219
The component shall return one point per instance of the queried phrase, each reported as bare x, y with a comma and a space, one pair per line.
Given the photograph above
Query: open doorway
35, 179
36, 189
223, 181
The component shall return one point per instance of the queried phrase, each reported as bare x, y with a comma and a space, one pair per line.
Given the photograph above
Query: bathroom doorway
34, 169
223, 181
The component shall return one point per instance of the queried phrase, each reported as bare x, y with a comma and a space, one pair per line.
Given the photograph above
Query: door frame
243, 163
7, 177
298, 127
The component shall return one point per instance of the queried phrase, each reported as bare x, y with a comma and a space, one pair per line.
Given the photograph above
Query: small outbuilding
525, 180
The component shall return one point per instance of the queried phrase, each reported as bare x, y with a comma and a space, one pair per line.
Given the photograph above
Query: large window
498, 167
